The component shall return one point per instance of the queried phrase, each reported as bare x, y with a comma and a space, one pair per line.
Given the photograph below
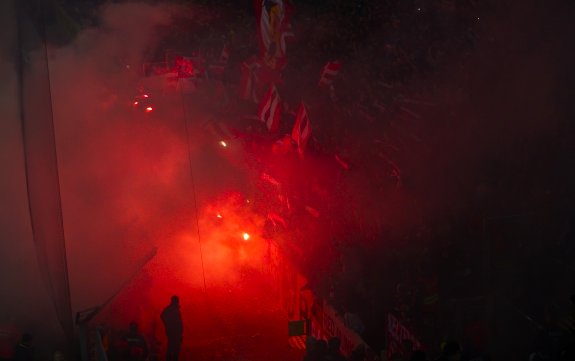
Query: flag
302, 129
271, 180
329, 72
314, 212
225, 55
276, 218
269, 111
286, 35
248, 85
274, 29
342, 163
220, 66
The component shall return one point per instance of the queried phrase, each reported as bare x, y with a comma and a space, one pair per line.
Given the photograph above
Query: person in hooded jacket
172, 319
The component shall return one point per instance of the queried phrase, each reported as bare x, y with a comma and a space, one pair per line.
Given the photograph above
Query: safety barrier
320, 320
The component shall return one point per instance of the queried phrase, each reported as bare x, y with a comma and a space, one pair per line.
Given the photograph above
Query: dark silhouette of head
310, 344
175, 300
321, 346
333, 344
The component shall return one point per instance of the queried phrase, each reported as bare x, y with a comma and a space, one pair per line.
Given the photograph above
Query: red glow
149, 109
145, 95
136, 102
230, 243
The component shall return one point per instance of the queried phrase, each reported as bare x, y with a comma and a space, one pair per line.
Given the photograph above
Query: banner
41, 166
396, 334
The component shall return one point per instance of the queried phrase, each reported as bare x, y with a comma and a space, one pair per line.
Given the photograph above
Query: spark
145, 95
219, 216
223, 144
246, 236
149, 109
136, 102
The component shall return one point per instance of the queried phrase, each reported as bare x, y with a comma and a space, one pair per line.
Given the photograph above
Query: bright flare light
219, 216
149, 109
224, 144
246, 236
145, 95
136, 102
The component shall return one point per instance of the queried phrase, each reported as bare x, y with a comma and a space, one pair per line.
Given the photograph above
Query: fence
320, 319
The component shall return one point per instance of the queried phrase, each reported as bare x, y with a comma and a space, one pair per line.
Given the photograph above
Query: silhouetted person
136, 347
316, 350
321, 349
310, 349
172, 319
24, 350
333, 352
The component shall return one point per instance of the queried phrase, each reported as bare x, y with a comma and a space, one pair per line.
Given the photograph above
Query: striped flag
274, 30
225, 55
269, 111
302, 129
286, 36
329, 72
248, 85
271, 20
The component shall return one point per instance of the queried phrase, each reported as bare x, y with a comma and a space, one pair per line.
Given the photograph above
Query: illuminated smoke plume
125, 174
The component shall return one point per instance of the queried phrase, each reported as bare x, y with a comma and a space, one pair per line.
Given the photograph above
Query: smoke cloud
132, 183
